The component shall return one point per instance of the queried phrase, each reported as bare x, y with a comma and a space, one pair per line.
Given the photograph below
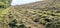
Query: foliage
5, 3
4, 8
3, 13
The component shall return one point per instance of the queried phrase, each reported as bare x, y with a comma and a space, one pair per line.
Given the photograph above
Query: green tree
5, 3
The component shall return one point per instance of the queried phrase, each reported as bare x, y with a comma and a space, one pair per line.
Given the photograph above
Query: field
34, 15
34, 18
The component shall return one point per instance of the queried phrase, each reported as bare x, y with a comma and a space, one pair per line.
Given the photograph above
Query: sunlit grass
3, 12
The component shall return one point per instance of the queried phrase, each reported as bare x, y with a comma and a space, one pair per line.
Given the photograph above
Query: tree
5, 3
